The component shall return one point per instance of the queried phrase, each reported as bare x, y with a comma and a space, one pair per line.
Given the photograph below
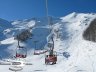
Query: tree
23, 36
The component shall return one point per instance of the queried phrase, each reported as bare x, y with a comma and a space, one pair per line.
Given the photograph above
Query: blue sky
22, 9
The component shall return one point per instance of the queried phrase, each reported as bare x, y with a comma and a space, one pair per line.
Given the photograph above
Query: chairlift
38, 52
21, 52
51, 57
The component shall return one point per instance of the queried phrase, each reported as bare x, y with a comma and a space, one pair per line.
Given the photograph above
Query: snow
8, 41
23, 24
71, 27
31, 24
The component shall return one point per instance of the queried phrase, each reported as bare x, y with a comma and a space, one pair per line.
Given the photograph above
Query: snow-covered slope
82, 52
5, 28
68, 37
4, 25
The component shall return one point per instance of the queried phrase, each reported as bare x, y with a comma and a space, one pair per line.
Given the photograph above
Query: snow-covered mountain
5, 27
68, 38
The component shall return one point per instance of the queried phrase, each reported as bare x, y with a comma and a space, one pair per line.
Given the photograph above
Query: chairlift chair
21, 52
51, 55
51, 58
38, 52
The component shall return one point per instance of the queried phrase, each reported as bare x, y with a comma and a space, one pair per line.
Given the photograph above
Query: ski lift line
47, 11
18, 43
50, 30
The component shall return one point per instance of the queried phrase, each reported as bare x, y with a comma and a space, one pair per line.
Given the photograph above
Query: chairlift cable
47, 11
48, 16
